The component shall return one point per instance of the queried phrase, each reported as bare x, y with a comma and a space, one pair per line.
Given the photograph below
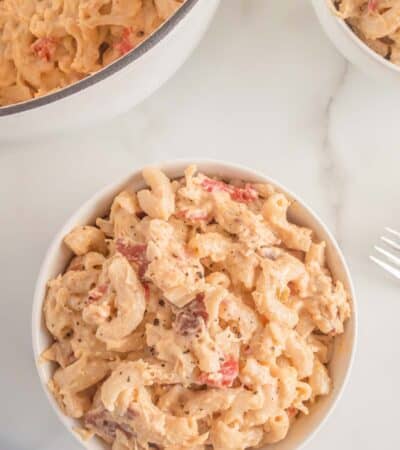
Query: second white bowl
353, 48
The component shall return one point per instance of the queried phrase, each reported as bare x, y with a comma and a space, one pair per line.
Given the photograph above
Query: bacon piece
224, 377
131, 414
242, 195
44, 48
124, 45
135, 253
189, 318
104, 424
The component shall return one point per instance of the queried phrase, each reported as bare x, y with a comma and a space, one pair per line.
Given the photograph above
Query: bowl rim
144, 47
356, 40
219, 166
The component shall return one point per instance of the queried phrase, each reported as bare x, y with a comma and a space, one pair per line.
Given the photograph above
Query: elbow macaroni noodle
48, 44
194, 316
375, 22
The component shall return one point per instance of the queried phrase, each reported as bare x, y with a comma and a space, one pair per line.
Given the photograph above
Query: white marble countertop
264, 88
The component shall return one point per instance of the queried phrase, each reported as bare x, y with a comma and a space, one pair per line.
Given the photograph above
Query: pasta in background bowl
118, 83
233, 201
375, 22
49, 45
354, 32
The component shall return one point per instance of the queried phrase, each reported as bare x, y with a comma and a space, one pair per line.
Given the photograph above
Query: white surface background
264, 88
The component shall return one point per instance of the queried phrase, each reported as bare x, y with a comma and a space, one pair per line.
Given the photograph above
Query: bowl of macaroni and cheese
71, 63
366, 32
194, 306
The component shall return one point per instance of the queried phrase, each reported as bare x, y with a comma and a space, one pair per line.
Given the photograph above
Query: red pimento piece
44, 48
124, 45
372, 5
243, 195
210, 185
146, 288
229, 371
188, 319
291, 411
225, 376
96, 293
135, 253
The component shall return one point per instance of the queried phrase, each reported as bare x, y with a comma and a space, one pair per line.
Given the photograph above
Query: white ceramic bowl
58, 256
353, 48
117, 87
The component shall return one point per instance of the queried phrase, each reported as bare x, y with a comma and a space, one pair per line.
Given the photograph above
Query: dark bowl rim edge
107, 71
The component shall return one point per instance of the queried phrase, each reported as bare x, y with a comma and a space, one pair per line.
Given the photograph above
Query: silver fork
395, 260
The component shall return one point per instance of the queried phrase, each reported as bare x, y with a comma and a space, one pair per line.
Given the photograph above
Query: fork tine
390, 242
389, 256
396, 233
387, 267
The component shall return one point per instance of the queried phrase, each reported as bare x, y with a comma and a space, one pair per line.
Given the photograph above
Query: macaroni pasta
193, 316
376, 22
47, 45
